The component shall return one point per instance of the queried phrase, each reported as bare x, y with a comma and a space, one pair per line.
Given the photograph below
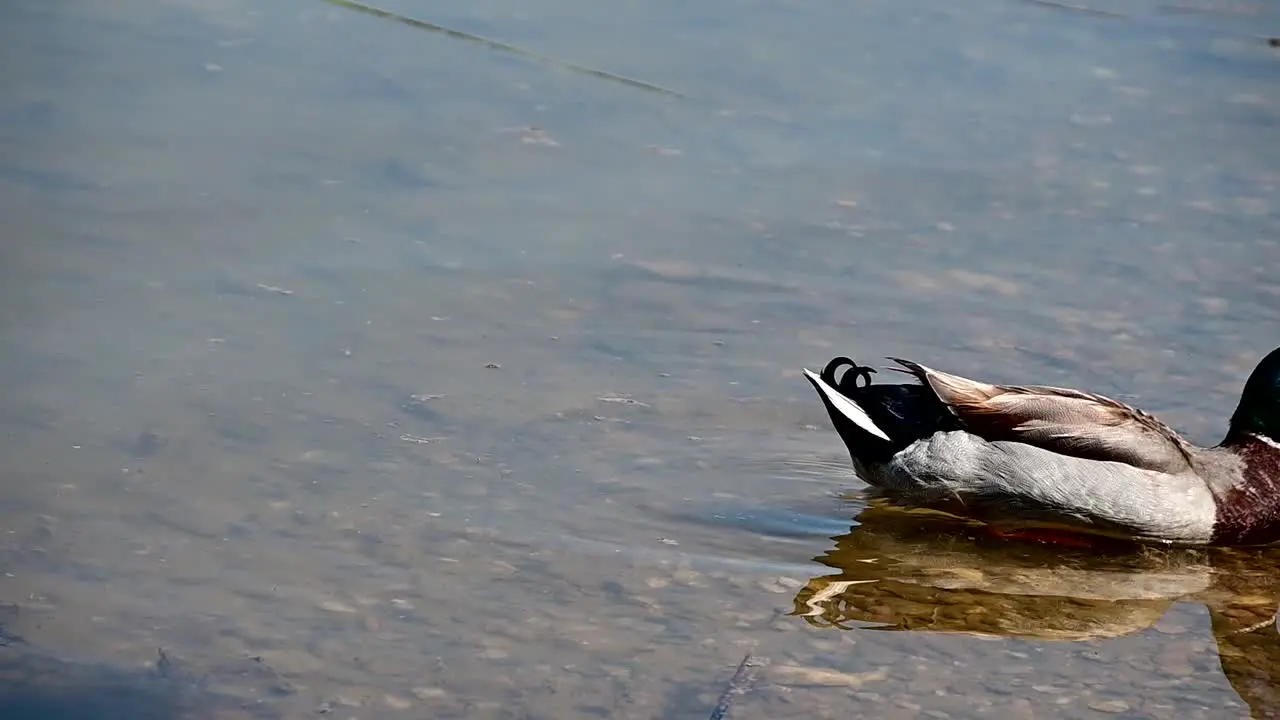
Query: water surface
441, 381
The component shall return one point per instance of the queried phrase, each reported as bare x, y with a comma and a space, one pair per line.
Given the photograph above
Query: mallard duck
1022, 458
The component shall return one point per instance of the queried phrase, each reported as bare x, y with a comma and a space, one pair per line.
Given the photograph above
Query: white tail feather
847, 407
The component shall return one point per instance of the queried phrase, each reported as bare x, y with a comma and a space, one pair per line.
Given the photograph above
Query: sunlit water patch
372, 371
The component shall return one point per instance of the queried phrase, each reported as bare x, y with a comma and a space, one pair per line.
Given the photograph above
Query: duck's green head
1259, 408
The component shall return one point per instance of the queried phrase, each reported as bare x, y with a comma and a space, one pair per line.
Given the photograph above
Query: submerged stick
498, 45
1161, 9
1077, 8
739, 684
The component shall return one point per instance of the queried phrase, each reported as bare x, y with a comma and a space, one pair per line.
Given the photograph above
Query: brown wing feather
1064, 421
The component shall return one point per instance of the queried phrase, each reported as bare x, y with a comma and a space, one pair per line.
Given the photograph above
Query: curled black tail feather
848, 382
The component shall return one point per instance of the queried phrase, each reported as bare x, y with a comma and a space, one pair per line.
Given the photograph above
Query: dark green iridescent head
1259, 408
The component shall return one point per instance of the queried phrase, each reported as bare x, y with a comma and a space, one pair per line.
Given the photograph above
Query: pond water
372, 370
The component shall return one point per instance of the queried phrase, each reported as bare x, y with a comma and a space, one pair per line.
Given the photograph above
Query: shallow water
377, 372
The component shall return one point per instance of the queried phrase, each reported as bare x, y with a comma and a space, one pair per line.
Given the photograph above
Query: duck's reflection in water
903, 571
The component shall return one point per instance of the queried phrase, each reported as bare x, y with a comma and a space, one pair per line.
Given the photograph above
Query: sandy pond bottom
315, 584
352, 370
